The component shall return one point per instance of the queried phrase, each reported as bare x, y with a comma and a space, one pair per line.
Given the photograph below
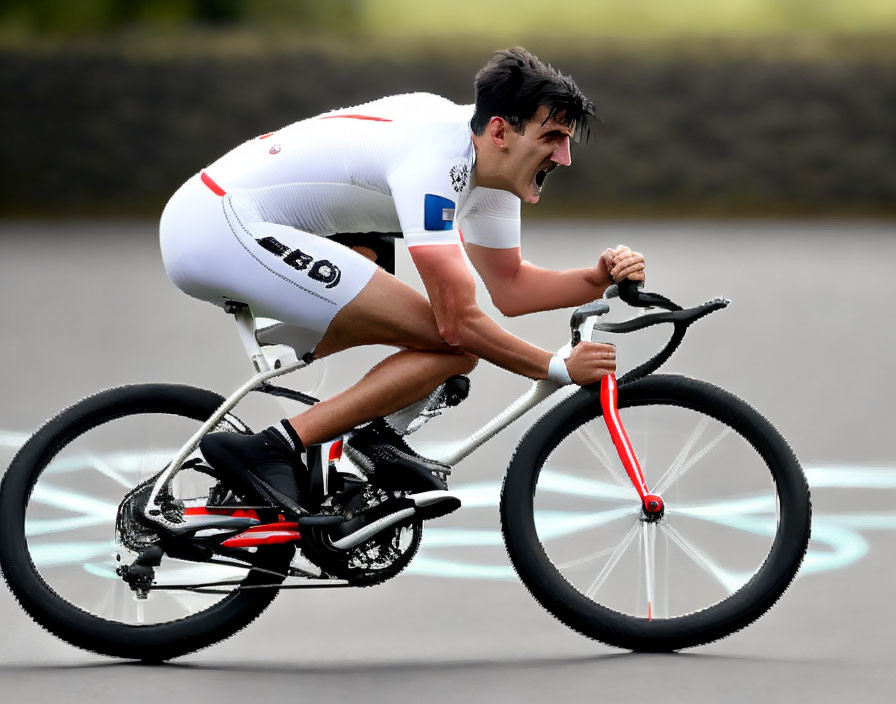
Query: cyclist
253, 227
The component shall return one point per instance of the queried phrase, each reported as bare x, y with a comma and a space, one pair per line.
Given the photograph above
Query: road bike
653, 512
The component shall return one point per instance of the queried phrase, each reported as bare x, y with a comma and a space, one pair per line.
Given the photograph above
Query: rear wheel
58, 543
733, 534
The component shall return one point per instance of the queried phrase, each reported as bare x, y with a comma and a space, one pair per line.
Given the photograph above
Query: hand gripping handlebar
628, 291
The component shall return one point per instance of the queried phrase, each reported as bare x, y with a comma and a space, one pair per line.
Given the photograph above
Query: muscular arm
452, 293
517, 287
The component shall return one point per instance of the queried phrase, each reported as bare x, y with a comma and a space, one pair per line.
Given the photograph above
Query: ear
497, 130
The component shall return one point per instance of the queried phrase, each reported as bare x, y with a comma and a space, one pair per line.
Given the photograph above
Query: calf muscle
386, 312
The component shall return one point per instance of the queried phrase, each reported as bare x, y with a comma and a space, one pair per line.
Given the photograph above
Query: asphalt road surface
809, 340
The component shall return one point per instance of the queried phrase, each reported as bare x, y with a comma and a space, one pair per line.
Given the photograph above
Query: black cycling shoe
384, 455
259, 466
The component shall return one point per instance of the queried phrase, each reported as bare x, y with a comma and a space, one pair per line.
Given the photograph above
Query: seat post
245, 324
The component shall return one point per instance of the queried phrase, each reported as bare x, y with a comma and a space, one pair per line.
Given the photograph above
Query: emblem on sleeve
438, 212
459, 174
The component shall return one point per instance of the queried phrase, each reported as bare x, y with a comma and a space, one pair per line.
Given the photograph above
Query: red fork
609, 396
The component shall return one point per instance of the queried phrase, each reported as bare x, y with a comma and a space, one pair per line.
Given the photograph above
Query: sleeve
425, 202
492, 219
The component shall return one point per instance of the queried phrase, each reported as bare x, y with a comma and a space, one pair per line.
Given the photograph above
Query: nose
562, 155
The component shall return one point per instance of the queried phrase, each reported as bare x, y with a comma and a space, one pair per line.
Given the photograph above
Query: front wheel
59, 546
732, 537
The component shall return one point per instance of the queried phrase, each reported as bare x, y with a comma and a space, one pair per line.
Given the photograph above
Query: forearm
480, 335
533, 289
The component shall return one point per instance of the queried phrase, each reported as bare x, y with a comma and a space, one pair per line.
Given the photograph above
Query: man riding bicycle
254, 228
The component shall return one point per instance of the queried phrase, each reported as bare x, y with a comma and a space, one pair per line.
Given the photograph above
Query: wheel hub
652, 507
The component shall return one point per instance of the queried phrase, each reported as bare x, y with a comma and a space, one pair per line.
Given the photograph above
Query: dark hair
514, 83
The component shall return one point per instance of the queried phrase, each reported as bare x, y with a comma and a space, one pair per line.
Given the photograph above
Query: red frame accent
335, 451
265, 136
609, 398
214, 187
277, 533
357, 117
233, 512
265, 534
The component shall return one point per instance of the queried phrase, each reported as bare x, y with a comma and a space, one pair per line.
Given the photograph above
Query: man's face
540, 149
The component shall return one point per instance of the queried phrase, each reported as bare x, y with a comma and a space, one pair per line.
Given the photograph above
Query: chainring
373, 562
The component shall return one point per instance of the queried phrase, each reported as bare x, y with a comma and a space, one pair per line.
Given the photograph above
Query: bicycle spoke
551, 524
552, 480
59, 554
682, 455
648, 539
614, 558
734, 506
35, 527
106, 469
593, 444
83, 504
683, 468
727, 580
587, 558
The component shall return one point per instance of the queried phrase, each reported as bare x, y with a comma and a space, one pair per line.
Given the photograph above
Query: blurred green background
729, 108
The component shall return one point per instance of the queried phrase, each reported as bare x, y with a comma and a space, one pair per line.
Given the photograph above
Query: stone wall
98, 132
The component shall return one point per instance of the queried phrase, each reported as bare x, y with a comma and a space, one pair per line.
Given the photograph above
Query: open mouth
542, 174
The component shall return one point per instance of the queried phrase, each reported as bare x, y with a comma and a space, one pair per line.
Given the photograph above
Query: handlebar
629, 291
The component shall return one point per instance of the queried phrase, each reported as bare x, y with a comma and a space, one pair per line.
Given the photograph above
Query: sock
288, 433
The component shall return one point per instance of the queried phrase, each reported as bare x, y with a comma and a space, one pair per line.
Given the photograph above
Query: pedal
425, 505
435, 504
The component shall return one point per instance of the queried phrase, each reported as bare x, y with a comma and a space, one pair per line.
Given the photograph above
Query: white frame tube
268, 369
193, 442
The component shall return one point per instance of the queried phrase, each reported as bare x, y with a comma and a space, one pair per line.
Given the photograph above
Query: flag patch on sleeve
438, 213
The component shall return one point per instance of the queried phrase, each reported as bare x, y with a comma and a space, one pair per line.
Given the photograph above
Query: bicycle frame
271, 361
276, 360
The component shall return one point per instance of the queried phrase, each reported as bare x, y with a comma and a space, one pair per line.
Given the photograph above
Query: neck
486, 169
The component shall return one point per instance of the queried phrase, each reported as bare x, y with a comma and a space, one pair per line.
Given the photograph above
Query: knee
365, 252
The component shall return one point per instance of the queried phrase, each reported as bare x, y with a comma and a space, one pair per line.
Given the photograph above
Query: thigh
385, 312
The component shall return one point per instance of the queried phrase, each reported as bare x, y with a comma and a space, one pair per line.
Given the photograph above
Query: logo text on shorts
321, 270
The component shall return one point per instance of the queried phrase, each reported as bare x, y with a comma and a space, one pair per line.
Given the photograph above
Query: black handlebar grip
629, 291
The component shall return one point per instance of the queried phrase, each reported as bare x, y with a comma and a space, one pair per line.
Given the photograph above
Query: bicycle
183, 572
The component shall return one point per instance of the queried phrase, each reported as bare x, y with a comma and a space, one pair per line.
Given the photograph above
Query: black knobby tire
85, 630
571, 606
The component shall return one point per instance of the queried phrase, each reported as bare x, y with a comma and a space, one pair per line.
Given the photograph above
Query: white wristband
558, 372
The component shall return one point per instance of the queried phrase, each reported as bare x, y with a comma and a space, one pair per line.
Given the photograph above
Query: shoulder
409, 108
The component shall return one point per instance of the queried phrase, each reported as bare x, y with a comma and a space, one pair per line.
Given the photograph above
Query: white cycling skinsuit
251, 227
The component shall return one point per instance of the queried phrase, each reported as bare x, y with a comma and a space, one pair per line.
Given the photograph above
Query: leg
392, 313
394, 383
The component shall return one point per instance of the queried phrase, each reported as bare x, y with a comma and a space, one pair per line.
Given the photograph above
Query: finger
629, 258
597, 348
625, 271
608, 258
628, 268
598, 372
